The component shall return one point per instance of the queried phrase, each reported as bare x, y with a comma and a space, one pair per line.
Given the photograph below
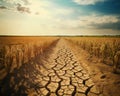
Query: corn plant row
12, 56
107, 49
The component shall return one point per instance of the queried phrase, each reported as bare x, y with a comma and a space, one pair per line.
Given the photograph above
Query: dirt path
59, 74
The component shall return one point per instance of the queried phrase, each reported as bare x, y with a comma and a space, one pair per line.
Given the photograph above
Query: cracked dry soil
59, 74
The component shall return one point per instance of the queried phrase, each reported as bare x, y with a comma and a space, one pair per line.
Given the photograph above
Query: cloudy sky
59, 17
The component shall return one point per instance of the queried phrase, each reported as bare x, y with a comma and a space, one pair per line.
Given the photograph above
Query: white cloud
34, 6
43, 8
98, 19
13, 2
87, 2
88, 21
51, 19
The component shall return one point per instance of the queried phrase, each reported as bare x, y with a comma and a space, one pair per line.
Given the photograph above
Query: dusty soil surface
64, 70
102, 74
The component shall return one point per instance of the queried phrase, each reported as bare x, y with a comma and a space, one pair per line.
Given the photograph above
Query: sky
59, 17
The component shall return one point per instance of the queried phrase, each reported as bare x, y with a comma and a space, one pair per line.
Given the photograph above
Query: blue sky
59, 17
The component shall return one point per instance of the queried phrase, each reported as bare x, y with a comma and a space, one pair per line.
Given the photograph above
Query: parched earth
59, 73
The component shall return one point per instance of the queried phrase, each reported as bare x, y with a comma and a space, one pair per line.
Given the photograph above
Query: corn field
107, 49
15, 53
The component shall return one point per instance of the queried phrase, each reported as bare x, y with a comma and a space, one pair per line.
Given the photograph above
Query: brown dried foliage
15, 51
105, 48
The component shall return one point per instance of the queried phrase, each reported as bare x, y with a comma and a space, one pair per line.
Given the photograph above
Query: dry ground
102, 75
63, 70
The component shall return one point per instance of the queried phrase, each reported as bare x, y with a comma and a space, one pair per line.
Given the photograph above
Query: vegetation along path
59, 73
